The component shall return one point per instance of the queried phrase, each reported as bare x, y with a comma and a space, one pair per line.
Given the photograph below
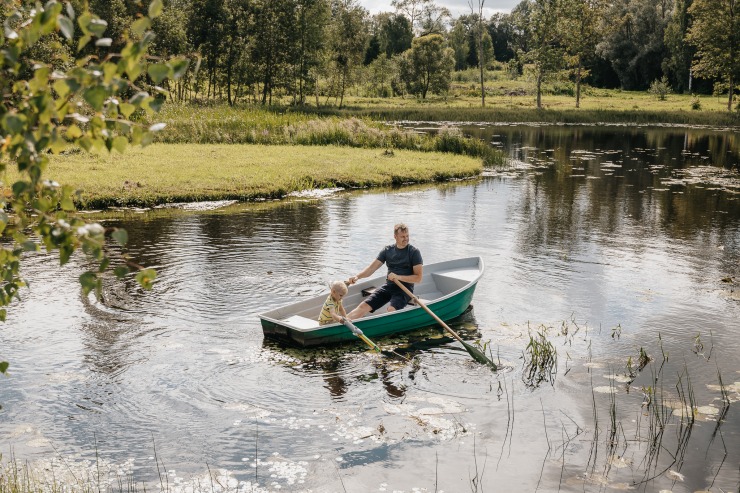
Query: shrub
695, 103
660, 88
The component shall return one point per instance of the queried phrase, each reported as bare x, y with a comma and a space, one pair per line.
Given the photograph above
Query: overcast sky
457, 7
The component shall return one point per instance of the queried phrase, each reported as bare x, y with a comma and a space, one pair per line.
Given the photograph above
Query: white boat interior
439, 281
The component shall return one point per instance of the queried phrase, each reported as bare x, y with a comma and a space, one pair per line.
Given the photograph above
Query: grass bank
223, 124
164, 173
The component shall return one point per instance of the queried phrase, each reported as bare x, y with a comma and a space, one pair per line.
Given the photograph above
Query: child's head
338, 290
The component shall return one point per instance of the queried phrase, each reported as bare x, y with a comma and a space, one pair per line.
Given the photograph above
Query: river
600, 242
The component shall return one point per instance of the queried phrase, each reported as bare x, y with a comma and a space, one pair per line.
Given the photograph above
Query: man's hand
392, 277
351, 280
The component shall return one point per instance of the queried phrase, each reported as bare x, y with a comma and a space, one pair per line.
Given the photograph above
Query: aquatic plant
540, 359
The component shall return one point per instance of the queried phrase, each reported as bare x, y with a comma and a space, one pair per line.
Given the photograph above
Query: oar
476, 353
359, 334
356, 331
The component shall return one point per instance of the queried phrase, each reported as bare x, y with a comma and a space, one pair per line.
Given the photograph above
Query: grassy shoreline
162, 173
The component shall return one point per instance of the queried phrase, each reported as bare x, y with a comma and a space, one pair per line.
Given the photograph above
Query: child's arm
343, 311
334, 315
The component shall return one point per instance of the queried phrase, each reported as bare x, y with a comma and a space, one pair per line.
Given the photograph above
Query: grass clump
164, 173
221, 124
540, 360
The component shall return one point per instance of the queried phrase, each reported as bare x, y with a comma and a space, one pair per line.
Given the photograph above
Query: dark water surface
605, 240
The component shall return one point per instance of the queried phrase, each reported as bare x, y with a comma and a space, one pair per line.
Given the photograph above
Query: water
605, 239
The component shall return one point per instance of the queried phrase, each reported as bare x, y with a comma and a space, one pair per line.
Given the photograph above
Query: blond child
333, 311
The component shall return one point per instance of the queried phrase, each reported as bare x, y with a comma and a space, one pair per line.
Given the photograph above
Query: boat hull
446, 307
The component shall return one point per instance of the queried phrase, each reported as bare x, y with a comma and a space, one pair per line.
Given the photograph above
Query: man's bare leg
359, 312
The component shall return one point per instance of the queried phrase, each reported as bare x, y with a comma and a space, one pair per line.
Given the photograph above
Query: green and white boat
446, 288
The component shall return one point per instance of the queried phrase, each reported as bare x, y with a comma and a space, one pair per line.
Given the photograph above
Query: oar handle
430, 312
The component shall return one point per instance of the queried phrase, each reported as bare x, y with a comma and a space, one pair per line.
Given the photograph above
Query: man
404, 264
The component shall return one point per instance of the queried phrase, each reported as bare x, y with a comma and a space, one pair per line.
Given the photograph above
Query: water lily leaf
3, 364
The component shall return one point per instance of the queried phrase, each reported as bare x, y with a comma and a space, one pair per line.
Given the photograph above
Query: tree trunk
481, 63
539, 90
732, 93
578, 85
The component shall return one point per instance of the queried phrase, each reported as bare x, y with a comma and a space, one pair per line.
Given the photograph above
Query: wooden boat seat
301, 322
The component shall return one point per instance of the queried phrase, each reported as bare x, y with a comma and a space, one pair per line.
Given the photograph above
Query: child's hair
339, 287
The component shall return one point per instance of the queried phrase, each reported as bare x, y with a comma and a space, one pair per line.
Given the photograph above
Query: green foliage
86, 101
695, 103
660, 88
540, 360
715, 32
427, 67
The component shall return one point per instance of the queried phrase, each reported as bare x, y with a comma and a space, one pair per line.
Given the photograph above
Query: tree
396, 34
677, 64
538, 26
412, 9
501, 31
88, 105
458, 39
433, 19
716, 34
427, 66
479, 39
634, 40
580, 26
348, 40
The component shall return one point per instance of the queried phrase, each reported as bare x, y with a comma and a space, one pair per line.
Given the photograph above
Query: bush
695, 103
660, 88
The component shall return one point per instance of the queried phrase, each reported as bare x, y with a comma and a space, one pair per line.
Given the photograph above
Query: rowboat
446, 288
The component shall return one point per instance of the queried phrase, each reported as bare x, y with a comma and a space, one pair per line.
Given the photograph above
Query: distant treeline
313, 51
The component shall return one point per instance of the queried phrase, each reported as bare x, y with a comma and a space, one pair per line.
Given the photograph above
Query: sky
457, 7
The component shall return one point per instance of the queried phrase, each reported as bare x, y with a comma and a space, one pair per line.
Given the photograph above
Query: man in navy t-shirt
404, 263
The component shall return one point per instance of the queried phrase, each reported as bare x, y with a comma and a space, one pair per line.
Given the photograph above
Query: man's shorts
389, 292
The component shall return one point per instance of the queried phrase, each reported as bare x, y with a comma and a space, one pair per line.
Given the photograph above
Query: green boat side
408, 319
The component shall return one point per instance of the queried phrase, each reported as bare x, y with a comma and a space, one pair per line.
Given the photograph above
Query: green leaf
141, 25
104, 264
121, 271
15, 124
29, 246
179, 67
97, 27
120, 143
66, 25
126, 109
95, 96
88, 280
158, 72
121, 236
19, 187
155, 8
4, 364
146, 277
3, 316
74, 132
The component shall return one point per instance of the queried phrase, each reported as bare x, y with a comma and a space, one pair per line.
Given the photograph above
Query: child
333, 311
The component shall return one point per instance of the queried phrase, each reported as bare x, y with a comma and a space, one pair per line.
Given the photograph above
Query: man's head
338, 290
401, 234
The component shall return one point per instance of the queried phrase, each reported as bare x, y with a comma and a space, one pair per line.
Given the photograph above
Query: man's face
402, 238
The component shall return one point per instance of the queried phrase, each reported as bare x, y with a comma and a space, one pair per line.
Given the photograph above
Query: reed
221, 124
540, 359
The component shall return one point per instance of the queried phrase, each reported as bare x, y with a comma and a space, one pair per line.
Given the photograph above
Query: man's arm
413, 278
366, 272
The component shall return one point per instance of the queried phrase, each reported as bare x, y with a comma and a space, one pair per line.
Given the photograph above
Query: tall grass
221, 124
